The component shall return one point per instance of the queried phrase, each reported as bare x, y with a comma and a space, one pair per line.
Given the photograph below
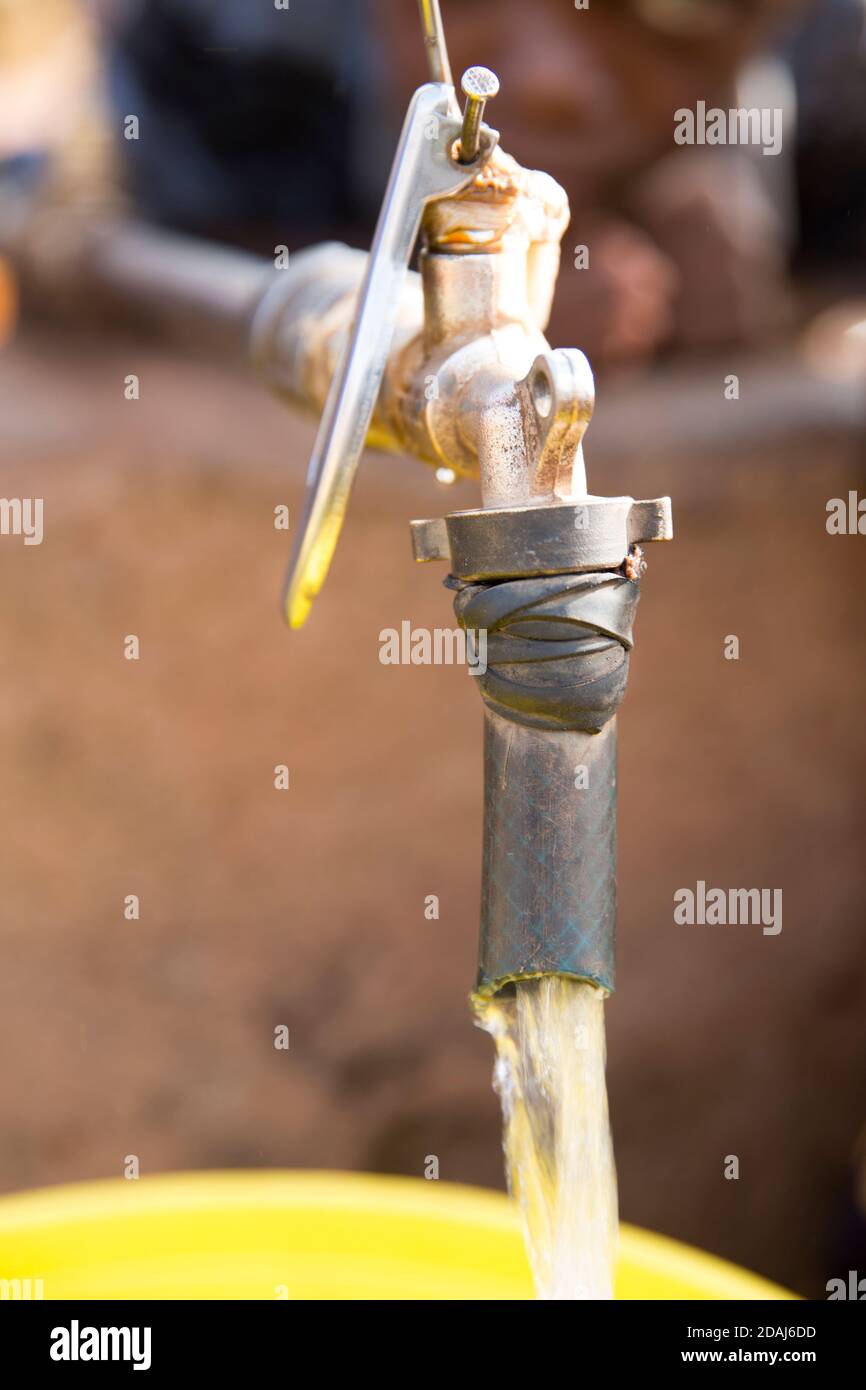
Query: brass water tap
452, 366
467, 386
469, 327
449, 364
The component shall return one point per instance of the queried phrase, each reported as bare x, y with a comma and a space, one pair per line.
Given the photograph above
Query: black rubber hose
557, 656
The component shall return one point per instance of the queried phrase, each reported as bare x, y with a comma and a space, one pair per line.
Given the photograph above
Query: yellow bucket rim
309, 1235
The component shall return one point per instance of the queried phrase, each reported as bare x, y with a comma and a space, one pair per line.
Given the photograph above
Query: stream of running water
550, 1077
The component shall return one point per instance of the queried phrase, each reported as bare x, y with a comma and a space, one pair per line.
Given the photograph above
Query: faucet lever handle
425, 167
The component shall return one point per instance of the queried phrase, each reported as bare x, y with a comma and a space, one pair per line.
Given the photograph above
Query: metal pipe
187, 290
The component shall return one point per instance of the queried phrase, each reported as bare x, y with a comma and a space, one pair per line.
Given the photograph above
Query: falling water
549, 1074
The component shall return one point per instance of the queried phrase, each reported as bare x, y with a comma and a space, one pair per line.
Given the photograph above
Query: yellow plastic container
267, 1235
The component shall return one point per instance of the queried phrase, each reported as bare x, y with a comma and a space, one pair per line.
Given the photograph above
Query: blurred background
262, 125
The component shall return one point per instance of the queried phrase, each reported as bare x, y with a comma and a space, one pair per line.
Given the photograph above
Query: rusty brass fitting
548, 571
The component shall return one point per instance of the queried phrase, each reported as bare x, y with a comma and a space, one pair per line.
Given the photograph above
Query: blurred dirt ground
306, 907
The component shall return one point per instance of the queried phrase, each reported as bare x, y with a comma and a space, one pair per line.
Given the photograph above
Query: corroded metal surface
590, 534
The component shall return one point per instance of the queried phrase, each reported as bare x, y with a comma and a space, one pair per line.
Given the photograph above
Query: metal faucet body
469, 328
549, 572
450, 365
